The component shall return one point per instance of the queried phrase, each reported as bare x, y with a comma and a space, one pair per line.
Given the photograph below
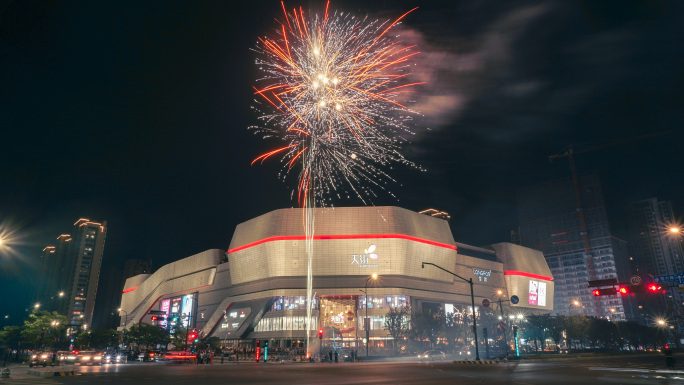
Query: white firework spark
331, 89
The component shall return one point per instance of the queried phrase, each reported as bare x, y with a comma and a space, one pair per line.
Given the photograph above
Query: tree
539, 327
147, 335
214, 343
43, 328
456, 327
104, 338
178, 336
10, 337
426, 324
577, 330
396, 323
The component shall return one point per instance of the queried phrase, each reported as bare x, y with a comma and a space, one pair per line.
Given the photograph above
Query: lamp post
125, 322
472, 302
499, 293
365, 296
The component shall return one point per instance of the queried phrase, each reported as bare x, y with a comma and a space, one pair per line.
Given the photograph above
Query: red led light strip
130, 290
348, 236
530, 275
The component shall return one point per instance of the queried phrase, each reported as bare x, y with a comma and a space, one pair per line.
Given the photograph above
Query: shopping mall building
257, 289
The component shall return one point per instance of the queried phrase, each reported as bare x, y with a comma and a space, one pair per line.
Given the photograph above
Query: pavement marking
666, 371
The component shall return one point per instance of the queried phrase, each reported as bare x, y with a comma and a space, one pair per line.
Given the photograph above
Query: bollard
4, 373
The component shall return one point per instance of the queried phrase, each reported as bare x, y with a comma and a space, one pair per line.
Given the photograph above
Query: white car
432, 355
115, 358
90, 358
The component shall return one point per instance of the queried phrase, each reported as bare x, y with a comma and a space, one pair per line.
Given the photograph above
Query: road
596, 370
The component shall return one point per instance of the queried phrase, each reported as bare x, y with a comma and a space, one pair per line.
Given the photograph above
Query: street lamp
472, 302
125, 319
36, 306
366, 322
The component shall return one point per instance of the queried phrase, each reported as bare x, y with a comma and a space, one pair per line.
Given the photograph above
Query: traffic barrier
64, 374
477, 362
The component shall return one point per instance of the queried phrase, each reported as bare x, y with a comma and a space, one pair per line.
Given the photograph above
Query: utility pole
472, 301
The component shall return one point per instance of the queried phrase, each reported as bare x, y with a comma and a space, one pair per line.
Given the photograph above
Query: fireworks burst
332, 90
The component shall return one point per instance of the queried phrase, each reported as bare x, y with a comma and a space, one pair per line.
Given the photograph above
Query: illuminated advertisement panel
541, 298
537, 293
165, 308
186, 310
534, 288
175, 310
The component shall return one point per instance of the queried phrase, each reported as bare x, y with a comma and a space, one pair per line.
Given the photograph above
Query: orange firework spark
330, 90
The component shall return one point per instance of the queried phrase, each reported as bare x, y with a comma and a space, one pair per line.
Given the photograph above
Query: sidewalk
20, 373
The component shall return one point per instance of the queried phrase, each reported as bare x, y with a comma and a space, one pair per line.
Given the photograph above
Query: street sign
635, 280
502, 325
515, 299
603, 282
647, 278
183, 315
485, 302
670, 278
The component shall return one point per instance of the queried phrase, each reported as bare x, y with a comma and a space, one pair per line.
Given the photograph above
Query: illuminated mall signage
537, 293
482, 275
366, 259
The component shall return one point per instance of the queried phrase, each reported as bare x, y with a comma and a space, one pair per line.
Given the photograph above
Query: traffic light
624, 290
153, 318
607, 291
192, 336
320, 334
654, 287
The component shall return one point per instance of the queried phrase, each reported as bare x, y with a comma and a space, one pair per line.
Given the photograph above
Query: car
465, 352
66, 357
149, 356
432, 355
115, 358
41, 358
90, 358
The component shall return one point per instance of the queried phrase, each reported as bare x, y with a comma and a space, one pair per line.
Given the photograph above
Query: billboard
537, 293
165, 308
186, 309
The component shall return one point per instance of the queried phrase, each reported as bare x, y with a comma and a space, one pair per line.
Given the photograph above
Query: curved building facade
257, 288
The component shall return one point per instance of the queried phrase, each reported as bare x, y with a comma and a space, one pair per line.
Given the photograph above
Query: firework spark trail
332, 91
335, 80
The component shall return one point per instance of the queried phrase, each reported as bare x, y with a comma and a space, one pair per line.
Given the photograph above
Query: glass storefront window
292, 303
384, 301
276, 324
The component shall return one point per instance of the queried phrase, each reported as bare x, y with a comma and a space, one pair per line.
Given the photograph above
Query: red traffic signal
320, 334
607, 291
654, 287
192, 336
153, 318
624, 290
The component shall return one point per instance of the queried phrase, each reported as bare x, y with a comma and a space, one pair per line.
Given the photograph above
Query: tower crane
570, 154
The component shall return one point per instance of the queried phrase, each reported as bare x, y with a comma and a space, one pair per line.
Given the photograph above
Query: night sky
137, 112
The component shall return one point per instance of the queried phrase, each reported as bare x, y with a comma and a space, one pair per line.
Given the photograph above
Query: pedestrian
330, 354
336, 354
